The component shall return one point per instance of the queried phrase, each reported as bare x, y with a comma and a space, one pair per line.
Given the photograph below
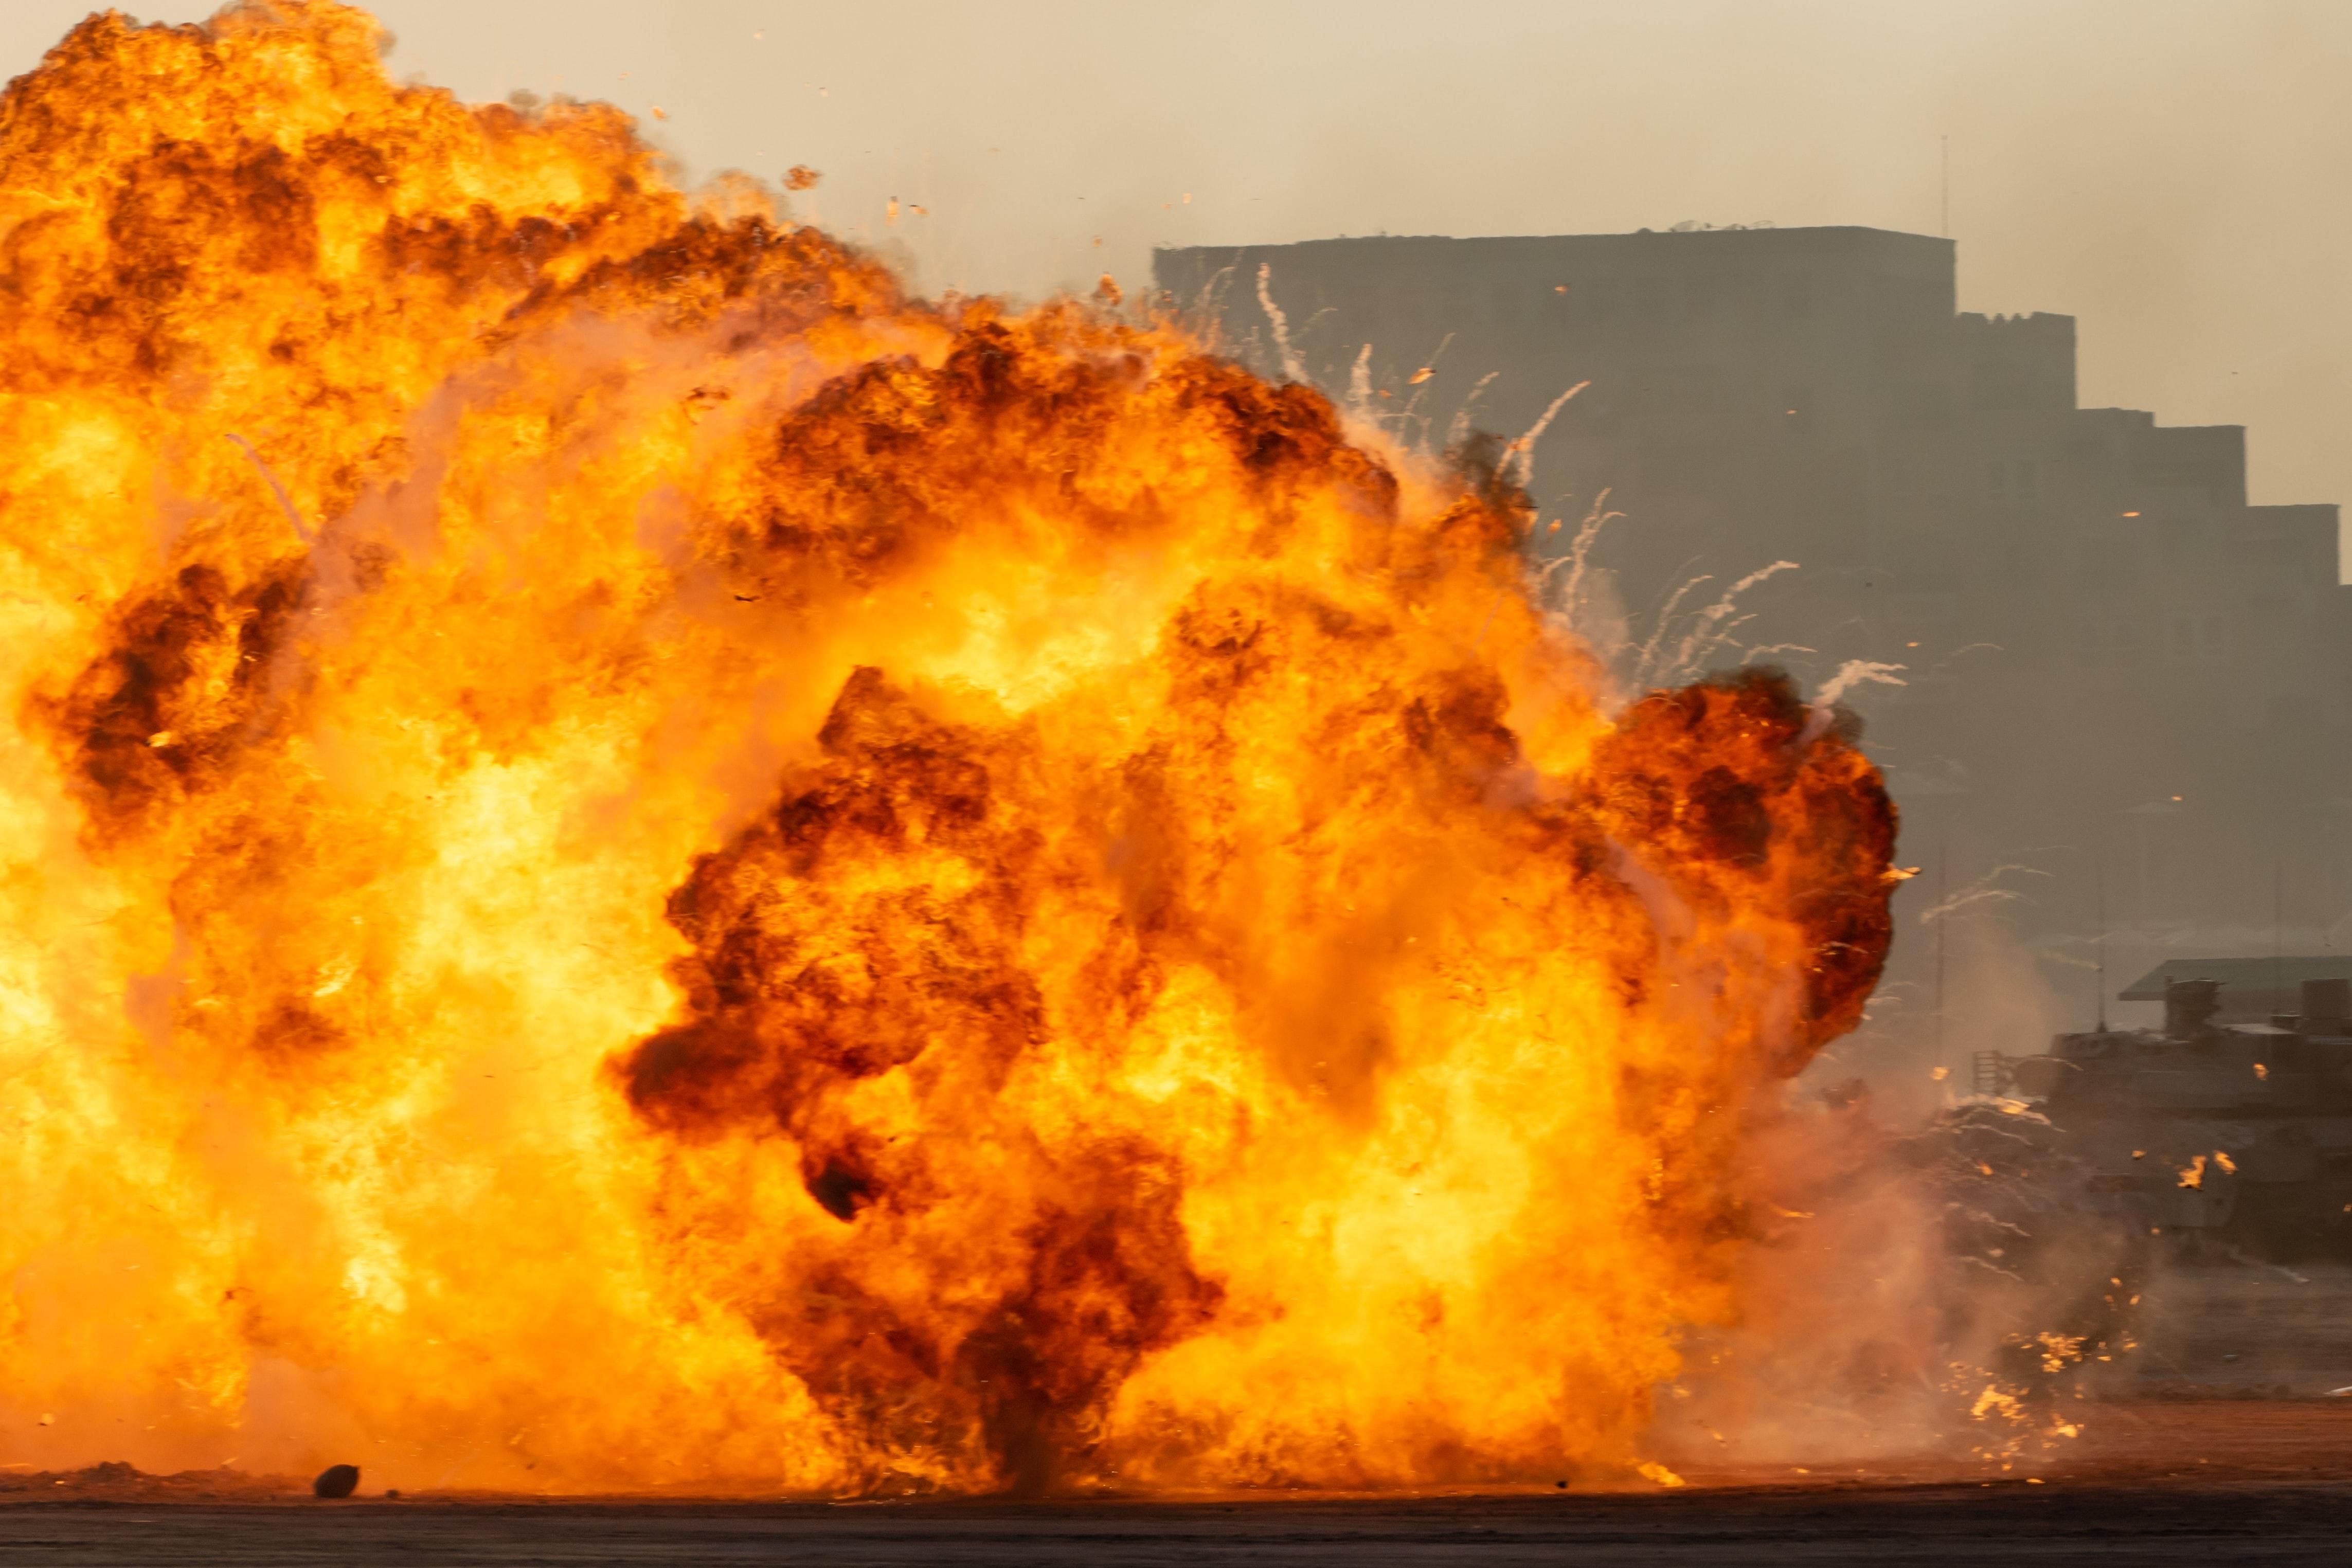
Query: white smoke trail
1292, 369
1858, 672
1761, 649
1359, 382
1522, 452
1459, 431
1708, 632
1206, 309
1648, 657
1852, 674
1579, 551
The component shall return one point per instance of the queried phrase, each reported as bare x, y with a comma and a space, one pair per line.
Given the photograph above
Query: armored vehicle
2229, 1135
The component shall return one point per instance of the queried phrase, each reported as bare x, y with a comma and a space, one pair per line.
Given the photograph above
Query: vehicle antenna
2099, 902
2278, 937
1943, 891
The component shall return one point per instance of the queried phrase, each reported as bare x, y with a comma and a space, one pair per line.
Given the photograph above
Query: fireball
630, 858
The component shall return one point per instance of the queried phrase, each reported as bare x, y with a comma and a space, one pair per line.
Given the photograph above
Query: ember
700, 872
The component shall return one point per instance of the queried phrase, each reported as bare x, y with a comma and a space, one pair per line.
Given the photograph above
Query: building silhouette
2116, 674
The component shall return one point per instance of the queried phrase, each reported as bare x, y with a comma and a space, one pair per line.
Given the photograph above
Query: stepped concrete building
2115, 671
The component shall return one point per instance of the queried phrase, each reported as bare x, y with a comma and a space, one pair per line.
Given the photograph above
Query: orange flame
698, 873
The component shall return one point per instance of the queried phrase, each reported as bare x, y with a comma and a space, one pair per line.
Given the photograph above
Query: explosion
632, 859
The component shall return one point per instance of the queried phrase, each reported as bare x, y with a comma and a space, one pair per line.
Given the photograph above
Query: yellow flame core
679, 869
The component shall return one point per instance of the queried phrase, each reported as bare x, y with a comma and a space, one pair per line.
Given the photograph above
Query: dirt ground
2263, 1327
2222, 1444
2180, 1480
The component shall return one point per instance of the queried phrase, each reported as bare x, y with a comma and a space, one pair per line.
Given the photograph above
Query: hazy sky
2176, 174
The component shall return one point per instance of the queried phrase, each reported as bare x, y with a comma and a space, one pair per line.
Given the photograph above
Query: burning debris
2051, 1281
752, 883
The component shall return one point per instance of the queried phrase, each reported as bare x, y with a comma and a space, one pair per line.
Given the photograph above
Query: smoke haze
2166, 174
2169, 173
